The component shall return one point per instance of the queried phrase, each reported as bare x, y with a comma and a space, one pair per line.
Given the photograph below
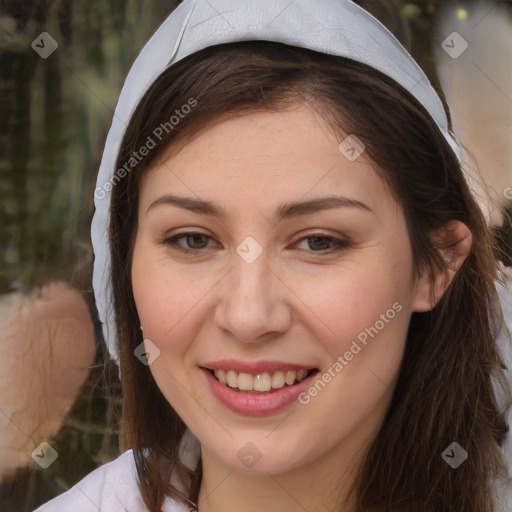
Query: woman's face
282, 279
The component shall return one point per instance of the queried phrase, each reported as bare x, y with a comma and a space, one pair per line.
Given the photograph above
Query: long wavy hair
445, 385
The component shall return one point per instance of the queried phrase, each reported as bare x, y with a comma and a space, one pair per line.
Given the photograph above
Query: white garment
113, 487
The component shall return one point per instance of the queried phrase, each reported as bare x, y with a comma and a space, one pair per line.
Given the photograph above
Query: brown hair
444, 391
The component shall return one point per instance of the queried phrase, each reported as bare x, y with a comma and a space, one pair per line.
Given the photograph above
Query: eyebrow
285, 211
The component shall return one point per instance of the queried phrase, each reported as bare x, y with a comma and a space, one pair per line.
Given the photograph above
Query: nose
254, 305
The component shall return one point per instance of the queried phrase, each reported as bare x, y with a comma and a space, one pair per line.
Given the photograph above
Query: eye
194, 238
196, 241
323, 242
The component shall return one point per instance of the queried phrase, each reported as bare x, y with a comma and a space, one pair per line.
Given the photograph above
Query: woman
328, 345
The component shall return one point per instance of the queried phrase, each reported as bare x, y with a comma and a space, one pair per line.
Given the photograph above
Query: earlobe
454, 241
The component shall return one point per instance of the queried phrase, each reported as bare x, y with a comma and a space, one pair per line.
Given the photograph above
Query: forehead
263, 158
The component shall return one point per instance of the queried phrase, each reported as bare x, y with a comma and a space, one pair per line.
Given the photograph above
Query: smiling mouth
261, 384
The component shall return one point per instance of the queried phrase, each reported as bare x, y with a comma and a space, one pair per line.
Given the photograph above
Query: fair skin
299, 302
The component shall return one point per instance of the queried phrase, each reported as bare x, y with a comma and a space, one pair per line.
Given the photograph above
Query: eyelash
339, 245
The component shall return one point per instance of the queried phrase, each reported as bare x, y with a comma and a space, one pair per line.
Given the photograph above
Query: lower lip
256, 405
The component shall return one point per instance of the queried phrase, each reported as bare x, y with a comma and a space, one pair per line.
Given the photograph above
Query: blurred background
57, 419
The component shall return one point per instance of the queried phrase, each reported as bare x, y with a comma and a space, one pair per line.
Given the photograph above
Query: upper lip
255, 367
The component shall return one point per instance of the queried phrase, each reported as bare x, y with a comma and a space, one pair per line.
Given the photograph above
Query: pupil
194, 238
317, 238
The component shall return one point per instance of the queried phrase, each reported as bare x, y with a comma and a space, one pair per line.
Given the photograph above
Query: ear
454, 241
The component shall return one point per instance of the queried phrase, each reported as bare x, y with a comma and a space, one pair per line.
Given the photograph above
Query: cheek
165, 305
166, 299
358, 302
364, 318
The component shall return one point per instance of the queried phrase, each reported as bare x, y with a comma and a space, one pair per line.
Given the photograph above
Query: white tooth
232, 379
262, 382
245, 381
301, 375
221, 375
290, 377
278, 380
